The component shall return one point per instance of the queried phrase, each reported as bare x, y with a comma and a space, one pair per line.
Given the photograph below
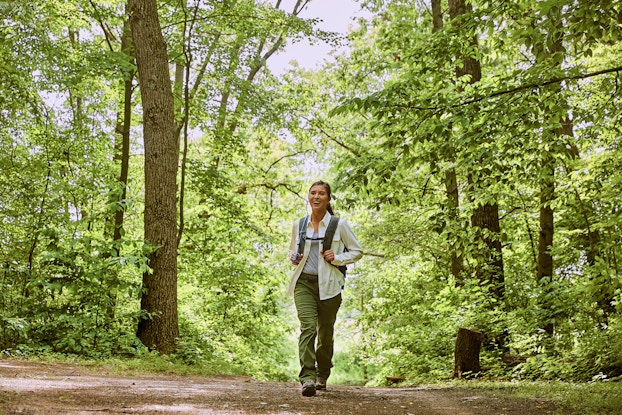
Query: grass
146, 364
593, 398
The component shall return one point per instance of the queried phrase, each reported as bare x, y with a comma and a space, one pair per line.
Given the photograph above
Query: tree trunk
470, 66
491, 274
545, 258
466, 354
123, 150
545, 267
485, 216
159, 328
451, 179
453, 198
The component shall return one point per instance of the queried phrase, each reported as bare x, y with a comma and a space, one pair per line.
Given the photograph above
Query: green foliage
421, 124
68, 287
74, 303
388, 124
230, 303
350, 369
399, 334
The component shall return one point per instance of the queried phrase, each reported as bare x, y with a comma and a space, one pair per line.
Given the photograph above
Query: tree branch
522, 88
545, 83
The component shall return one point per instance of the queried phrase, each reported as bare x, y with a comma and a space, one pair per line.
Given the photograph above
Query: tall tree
158, 327
550, 51
485, 217
451, 177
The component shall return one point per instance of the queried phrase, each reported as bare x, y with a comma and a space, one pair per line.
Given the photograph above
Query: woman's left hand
295, 258
329, 255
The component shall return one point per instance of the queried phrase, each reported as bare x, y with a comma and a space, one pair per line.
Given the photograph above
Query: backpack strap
302, 234
328, 239
330, 232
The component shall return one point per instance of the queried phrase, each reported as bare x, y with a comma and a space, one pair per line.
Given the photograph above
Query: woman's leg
306, 298
327, 315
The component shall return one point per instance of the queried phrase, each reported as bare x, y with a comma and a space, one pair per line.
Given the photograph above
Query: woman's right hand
295, 258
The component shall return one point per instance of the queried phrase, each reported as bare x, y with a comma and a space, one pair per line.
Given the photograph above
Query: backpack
328, 237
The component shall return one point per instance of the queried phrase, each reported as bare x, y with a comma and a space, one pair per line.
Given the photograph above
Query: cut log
395, 379
513, 359
466, 354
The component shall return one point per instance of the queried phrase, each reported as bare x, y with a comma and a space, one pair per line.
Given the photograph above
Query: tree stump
466, 354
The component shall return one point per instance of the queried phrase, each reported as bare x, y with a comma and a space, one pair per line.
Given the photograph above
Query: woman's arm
354, 252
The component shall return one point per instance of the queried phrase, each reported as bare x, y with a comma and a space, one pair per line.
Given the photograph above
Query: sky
336, 16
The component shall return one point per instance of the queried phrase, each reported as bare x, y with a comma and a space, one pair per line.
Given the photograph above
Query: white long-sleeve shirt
330, 279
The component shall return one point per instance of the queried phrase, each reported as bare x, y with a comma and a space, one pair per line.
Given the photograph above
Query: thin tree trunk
123, 156
451, 189
228, 121
545, 267
545, 244
182, 89
159, 328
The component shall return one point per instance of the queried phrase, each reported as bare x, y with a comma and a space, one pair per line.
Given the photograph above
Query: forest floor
47, 388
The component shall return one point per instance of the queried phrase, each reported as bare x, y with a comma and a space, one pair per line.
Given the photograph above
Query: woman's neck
317, 216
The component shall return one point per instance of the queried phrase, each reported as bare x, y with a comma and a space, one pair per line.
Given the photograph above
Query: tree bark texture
437, 16
466, 354
159, 329
470, 65
486, 217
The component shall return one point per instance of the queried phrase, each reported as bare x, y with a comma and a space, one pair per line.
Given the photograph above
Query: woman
316, 285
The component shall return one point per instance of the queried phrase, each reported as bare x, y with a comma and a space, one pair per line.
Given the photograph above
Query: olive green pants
317, 321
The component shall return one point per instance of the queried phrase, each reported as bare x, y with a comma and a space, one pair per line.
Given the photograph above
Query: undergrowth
590, 398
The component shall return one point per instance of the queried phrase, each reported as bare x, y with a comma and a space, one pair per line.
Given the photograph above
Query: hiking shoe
320, 384
308, 388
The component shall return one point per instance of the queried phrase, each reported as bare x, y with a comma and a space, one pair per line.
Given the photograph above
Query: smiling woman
316, 284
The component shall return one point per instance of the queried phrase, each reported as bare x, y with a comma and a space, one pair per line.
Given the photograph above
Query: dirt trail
38, 388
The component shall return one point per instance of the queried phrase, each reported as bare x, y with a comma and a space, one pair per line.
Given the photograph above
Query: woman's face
319, 198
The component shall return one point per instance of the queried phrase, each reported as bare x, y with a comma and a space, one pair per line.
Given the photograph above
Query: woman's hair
328, 190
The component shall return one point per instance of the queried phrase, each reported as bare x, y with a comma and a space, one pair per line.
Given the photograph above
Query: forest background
474, 146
